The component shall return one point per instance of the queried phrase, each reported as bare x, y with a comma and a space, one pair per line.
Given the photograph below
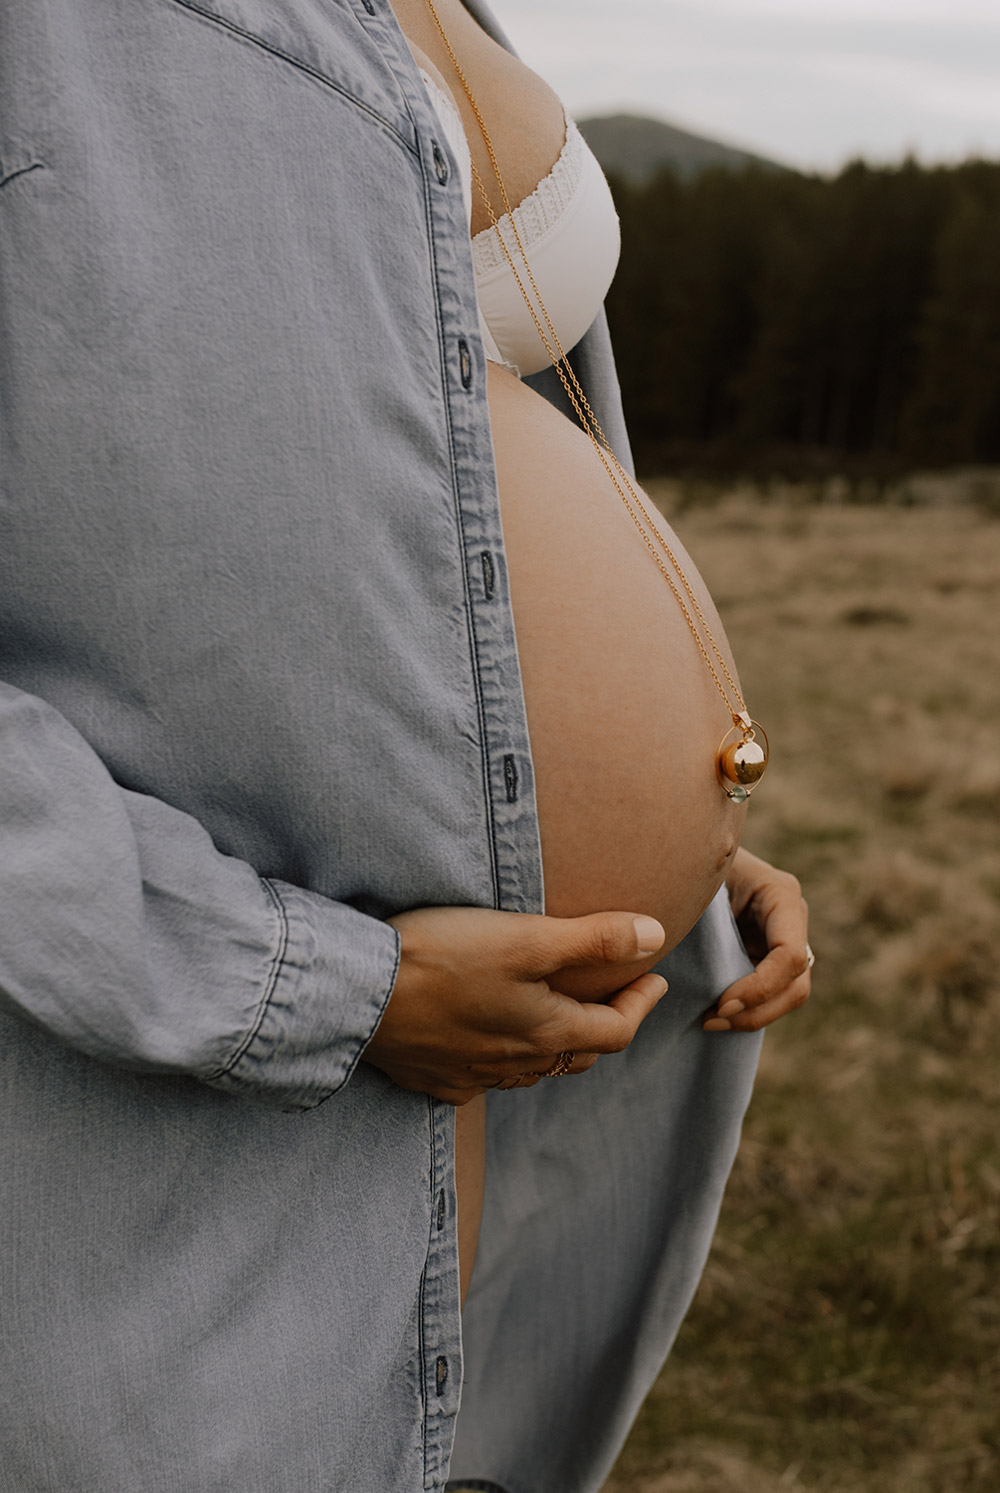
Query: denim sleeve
125, 933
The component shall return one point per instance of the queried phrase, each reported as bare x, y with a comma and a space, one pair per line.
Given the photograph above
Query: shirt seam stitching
269, 988
17, 172
296, 62
424, 1368
466, 597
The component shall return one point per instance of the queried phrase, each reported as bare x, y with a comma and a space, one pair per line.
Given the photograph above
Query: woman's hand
479, 999
773, 919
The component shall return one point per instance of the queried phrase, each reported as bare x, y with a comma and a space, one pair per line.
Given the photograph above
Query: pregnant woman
628, 679
326, 629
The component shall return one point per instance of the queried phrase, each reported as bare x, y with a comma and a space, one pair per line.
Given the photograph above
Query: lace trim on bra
444, 100
538, 212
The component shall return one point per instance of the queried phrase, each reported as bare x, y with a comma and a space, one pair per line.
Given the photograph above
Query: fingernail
731, 1008
716, 1025
660, 993
648, 935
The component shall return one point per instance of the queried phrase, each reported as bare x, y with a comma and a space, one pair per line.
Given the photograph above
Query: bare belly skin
624, 717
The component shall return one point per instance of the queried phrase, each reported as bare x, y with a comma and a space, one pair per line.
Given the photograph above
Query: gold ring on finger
562, 1064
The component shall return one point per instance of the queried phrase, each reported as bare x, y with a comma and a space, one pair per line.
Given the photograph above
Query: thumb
599, 938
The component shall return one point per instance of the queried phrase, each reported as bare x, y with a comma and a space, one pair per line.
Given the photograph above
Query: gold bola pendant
741, 761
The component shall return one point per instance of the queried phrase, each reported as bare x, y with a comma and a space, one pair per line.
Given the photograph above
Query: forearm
127, 934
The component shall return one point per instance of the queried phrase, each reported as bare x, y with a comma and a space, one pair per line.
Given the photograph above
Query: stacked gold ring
562, 1064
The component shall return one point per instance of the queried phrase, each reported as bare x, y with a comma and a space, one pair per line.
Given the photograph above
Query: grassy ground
846, 1337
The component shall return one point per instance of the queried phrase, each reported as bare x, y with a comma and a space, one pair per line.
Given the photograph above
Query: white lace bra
569, 229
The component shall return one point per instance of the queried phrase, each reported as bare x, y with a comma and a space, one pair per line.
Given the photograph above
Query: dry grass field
846, 1337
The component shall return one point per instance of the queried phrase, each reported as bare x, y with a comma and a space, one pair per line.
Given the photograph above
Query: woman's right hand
480, 996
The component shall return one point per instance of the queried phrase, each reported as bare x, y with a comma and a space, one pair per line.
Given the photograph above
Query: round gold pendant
741, 760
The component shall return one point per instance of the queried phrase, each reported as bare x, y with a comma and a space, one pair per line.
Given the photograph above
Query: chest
522, 114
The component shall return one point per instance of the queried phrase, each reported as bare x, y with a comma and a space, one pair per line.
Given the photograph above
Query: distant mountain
635, 147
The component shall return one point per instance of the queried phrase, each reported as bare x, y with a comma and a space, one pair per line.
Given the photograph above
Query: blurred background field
816, 361
846, 1336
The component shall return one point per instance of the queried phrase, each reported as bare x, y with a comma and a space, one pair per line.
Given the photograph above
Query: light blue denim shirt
261, 692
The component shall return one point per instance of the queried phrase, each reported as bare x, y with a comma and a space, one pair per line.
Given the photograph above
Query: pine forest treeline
770, 319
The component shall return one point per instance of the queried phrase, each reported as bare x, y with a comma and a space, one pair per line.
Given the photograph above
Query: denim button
440, 164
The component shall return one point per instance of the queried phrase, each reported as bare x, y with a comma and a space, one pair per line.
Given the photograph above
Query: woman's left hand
773, 919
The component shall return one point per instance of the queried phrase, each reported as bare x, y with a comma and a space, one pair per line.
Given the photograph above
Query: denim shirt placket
508, 783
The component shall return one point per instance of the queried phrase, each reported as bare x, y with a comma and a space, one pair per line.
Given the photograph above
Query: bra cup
573, 264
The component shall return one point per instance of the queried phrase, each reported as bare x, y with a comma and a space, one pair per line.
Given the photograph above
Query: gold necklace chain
741, 761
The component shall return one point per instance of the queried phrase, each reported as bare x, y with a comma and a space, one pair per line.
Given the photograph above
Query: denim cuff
333, 973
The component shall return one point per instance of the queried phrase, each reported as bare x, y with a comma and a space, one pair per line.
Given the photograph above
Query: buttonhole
440, 164
440, 1211
465, 363
510, 777
441, 1375
489, 574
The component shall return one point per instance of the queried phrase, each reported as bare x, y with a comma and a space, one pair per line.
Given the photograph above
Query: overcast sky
809, 82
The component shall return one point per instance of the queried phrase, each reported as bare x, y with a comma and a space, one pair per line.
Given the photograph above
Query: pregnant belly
625, 719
